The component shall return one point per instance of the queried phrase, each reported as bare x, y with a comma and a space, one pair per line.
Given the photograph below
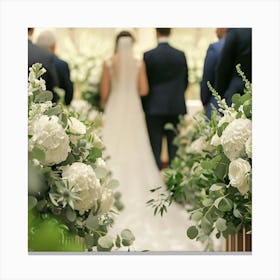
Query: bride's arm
104, 85
143, 87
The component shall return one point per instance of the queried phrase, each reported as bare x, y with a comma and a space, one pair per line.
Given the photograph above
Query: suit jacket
237, 49
167, 72
65, 83
209, 69
38, 54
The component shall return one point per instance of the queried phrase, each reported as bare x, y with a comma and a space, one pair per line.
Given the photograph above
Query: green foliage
199, 179
54, 222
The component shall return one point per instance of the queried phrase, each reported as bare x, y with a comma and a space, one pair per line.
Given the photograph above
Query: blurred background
86, 48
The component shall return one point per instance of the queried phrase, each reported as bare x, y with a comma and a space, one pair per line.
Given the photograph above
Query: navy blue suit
167, 73
65, 83
46, 58
237, 49
209, 69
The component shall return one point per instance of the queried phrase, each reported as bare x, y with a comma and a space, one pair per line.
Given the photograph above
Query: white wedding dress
132, 163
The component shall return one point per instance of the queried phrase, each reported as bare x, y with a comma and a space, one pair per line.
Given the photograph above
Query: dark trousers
155, 126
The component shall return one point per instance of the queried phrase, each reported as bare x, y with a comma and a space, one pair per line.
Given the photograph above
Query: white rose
238, 174
81, 107
76, 127
92, 115
215, 141
248, 147
97, 141
235, 136
198, 146
83, 180
49, 136
228, 117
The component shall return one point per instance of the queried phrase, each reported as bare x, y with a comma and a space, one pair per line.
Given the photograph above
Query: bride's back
123, 67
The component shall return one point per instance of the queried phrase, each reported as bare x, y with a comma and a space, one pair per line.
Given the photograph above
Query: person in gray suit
167, 73
37, 54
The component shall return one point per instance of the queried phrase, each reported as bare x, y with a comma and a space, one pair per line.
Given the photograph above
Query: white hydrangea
198, 145
235, 136
36, 111
50, 136
238, 174
248, 147
84, 181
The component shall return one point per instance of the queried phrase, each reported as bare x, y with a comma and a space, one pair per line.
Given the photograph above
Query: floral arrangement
212, 171
69, 181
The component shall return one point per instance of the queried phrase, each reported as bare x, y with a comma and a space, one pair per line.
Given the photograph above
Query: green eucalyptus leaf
207, 202
217, 187
92, 222
118, 241
127, 237
192, 232
89, 240
53, 111
206, 226
236, 100
224, 204
70, 214
113, 184
221, 224
41, 205
222, 128
196, 216
32, 201
43, 96
105, 243
222, 168
38, 154
100, 172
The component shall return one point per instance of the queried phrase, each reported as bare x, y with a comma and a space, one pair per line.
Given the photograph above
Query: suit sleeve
68, 85
226, 65
208, 75
186, 72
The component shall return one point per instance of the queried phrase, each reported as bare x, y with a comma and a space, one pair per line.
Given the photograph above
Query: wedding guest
210, 64
47, 40
237, 49
167, 72
38, 54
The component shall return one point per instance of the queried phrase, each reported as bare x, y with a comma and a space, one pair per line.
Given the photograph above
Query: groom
167, 72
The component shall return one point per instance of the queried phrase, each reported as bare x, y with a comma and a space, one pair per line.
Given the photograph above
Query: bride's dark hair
123, 34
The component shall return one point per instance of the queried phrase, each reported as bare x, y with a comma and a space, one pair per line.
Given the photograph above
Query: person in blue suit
167, 73
47, 40
210, 64
237, 49
38, 54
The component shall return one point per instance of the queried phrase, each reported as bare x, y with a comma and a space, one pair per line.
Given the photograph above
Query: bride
131, 160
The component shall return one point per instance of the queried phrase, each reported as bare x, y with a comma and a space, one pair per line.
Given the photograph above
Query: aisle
153, 233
